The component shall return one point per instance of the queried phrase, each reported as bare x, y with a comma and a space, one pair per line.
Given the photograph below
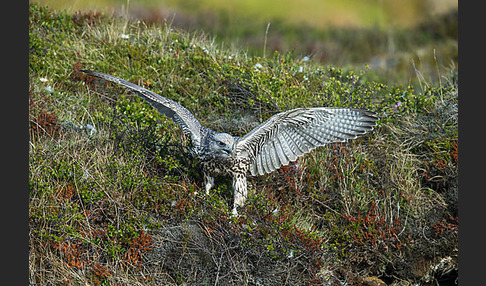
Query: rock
373, 281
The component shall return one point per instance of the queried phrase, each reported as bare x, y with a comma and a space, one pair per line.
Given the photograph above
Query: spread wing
291, 134
178, 113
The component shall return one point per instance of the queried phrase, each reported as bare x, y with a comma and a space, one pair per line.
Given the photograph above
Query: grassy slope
118, 205
313, 13
386, 35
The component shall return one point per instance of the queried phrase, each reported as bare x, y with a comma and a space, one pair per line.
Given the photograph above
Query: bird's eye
221, 143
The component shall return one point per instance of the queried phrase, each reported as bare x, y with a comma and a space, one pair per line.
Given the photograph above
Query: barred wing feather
291, 134
178, 113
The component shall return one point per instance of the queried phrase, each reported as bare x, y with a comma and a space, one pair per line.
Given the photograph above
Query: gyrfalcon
281, 139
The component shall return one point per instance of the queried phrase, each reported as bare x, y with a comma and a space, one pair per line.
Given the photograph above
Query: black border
471, 144
15, 141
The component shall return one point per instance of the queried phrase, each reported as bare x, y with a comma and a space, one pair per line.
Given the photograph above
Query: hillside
113, 186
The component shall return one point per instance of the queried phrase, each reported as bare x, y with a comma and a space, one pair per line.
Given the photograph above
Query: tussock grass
116, 198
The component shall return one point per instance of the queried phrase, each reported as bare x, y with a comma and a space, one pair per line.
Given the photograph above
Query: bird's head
221, 145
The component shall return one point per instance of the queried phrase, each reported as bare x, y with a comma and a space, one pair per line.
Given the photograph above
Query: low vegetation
116, 198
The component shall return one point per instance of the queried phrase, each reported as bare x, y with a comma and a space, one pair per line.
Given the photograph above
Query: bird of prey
281, 139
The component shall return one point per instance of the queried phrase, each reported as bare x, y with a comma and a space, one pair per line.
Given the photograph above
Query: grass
384, 35
112, 183
312, 13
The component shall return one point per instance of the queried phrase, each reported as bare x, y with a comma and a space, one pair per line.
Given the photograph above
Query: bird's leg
240, 189
208, 182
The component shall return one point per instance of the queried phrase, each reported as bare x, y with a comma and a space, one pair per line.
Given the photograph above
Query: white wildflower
291, 254
43, 79
125, 36
275, 211
258, 67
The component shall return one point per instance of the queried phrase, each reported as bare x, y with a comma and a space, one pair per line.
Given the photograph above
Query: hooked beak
227, 150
